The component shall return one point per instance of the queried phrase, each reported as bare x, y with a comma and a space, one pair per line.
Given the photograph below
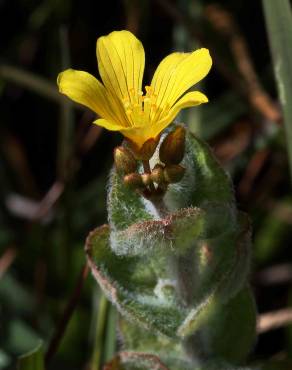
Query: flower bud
146, 151
133, 180
157, 174
146, 179
124, 161
173, 173
172, 148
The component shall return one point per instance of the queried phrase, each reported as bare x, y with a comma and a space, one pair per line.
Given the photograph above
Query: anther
148, 90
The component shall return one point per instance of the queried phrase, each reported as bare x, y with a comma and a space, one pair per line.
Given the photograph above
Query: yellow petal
190, 99
85, 89
177, 73
164, 74
108, 125
138, 135
121, 61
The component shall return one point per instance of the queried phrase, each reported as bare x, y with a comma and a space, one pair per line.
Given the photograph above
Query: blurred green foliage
33, 360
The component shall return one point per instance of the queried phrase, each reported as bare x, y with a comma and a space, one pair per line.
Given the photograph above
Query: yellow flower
120, 102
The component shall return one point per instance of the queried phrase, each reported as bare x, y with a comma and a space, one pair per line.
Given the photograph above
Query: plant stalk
97, 355
185, 283
66, 117
278, 16
110, 342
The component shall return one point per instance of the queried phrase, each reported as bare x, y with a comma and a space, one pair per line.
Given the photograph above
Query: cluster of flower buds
168, 171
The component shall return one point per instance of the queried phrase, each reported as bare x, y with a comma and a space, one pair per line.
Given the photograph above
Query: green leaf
177, 232
5, 360
125, 206
142, 286
21, 336
130, 360
137, 339
33, 360
129, 283
141, 361
21, 300
278, 15
236, 316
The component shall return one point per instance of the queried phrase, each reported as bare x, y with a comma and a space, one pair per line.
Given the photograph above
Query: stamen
147, 106
148, 90
140, 108
127, 104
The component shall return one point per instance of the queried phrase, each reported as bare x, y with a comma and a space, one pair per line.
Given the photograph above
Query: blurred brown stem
49, 200
6, 260
174, 12
67, 314
31, 81
275, 275
65, 134
253, 168
224, 23
246, 83
133, 13
274, 320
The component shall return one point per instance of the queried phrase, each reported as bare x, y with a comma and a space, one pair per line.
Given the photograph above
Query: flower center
141, 109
